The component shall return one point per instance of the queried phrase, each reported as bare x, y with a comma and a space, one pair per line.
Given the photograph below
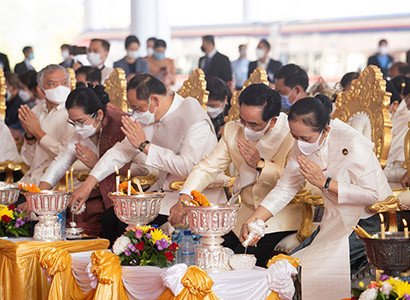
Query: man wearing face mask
291, 81
66, 54
382, 59
240, 67
150, 46
160, 66
46, 126
258, 146
214, 63
97, 55
270, 65
131, 63
168, 132
25, 65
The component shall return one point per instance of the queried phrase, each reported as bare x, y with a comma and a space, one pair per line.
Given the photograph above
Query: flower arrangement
13, 222
197, 199
388, 288
123, 187
27, 187
145, 246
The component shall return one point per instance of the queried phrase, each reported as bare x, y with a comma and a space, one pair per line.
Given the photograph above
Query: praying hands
134, 132
30, 122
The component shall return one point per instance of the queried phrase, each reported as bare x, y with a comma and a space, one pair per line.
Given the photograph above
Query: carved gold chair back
365, 108
116, 88
406, 163
2, 94
73, 81
195, 87
257, 76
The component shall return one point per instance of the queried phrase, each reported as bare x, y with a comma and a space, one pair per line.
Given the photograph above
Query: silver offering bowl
137, 210
211, 222
9, 193
392, 254
47, 204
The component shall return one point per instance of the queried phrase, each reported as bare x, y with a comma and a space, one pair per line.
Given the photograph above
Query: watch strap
143, 145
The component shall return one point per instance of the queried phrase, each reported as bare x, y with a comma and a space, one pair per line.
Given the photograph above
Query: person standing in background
240, 67
4, 63
25, 65
97, 55
67, 55
150, 46
131, 63
270, 65
382, 59
214, 63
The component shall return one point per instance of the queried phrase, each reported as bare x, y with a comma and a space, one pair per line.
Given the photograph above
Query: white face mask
8, 95
133, 54
57, 95
260, 53
65, 54
94, 59
310, 148
85, 131
383, 50
252, 135
213, 112
24, 95
150, 51
145, 117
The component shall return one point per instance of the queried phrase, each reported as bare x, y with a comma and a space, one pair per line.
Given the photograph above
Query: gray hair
49, 69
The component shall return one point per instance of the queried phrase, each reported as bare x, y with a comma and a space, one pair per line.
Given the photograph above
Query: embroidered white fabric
280, 279
171, 277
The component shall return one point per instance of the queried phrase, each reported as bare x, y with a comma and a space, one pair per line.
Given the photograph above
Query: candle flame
66, 172
239, 199
129, 174
116, 171
381, 217
404, 223
72, 170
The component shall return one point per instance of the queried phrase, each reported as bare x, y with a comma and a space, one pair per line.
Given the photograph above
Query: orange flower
31, 188
124, 186
199, 199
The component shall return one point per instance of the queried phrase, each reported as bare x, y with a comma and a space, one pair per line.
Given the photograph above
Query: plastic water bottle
62, 217
187, 249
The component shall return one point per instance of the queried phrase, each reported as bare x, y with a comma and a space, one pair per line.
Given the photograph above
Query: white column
92, 15
252, 11
149, 18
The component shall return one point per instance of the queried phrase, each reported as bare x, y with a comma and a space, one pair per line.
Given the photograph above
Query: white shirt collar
174, 106
212, 53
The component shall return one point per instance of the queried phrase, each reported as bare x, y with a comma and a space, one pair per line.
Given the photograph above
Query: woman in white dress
340, 161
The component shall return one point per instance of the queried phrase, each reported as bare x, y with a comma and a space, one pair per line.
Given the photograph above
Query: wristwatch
143, 145
29, 138
260, 165
326, 187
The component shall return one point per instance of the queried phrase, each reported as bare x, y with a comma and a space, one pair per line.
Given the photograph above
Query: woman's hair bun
99, 90
327, 103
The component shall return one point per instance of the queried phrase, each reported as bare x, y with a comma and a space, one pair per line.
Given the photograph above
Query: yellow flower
145, 228
361, 284
4, 210
158, 234
399, 286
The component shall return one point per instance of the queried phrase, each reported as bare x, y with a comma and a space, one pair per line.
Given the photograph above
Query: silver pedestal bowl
211, 222
47, 204
137, 210
9, 193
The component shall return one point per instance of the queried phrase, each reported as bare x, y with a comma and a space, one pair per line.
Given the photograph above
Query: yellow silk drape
106, 266
197, 286
20, 274
293, 261
57, 264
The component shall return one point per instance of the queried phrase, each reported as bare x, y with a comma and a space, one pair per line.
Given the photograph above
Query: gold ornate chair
72, 78
2, 94
195, 87
116, 88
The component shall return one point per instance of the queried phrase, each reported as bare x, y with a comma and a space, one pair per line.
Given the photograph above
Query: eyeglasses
81, 124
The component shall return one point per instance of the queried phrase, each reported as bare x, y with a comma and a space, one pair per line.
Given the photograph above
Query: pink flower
138, 233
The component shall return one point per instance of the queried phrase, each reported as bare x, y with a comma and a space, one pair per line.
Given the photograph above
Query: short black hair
401, 67
401, 84
27, 49
218, 89
382, 41
66, 46
29, 79
106, 45
90, 99
348, 78
209, 39
152, 39
395, 94
83, 70
131, 39
265, 43
312, 111
160, 43
293, 75
259, 94
94, 75
146, 85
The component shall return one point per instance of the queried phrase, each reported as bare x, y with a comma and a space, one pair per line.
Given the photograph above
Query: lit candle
66, 180
71, 178
239, 199
382, 230
129, 182
406, 229
117, 179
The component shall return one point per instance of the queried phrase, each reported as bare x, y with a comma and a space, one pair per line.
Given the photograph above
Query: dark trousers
112, 227
264, 247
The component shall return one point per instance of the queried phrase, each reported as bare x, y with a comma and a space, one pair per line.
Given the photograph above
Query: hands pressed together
249, 153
